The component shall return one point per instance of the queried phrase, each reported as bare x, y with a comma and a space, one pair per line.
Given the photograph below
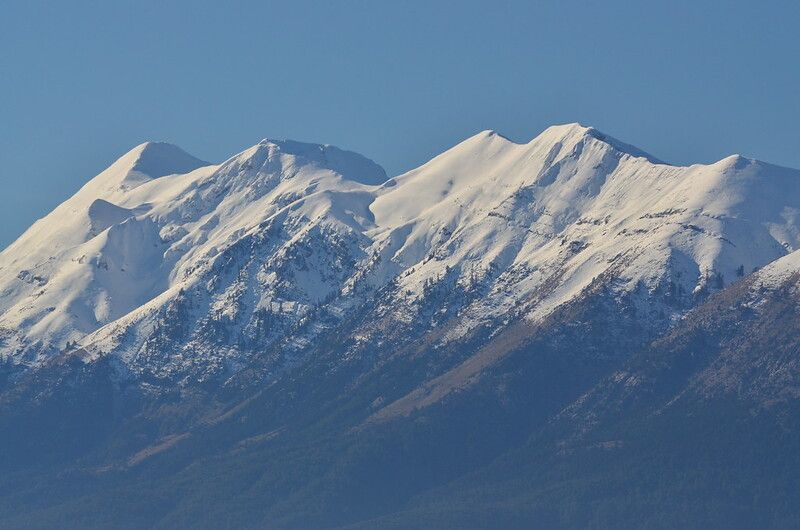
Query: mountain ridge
487, 202
556, 333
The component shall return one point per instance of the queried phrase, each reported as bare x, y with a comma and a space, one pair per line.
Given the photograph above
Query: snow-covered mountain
184, 269
512, 335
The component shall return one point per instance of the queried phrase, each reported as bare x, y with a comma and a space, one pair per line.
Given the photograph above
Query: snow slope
778, 273
129, 236
572, 204
219, 261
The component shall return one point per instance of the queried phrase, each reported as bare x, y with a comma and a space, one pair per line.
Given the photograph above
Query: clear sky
399, 81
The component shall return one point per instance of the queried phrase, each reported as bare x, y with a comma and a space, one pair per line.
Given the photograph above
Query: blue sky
83, 82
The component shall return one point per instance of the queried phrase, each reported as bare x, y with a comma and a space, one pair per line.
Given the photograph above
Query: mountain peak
491, 133
735, 162
575, 132
158, 159
567, 133
348, 164
146, 161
